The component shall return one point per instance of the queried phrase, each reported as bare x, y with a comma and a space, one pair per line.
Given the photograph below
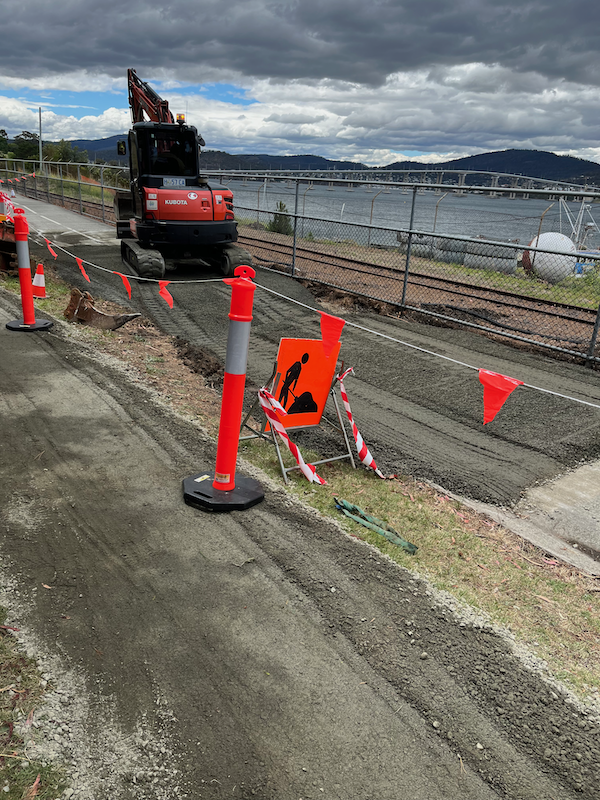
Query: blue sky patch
81, 104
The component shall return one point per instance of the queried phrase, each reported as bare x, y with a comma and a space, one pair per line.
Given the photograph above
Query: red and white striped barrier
361, 448
272, 408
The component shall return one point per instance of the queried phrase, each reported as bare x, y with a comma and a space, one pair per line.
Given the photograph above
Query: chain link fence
520, 264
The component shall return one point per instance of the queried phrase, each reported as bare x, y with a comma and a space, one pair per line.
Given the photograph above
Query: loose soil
221, 710
259, 654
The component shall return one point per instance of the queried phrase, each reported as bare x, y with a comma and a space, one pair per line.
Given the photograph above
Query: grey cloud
344, 40
294, 119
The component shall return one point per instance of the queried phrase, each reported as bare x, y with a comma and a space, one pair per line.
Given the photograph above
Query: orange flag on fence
126, 283
83, 272
49, 245
496, 390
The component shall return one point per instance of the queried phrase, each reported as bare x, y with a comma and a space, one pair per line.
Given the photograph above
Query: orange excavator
172, 215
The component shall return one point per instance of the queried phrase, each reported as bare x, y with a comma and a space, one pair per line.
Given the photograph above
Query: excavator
172, 215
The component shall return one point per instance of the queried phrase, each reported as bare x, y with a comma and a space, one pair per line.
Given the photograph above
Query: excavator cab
167, 152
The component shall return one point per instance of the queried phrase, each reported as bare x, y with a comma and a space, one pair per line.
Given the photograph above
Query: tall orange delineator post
28, 323
224, 489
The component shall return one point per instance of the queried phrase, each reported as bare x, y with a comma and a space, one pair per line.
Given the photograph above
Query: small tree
281, 222
64, 151
26, 145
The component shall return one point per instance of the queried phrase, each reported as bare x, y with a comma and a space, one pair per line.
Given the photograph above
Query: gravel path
256, 654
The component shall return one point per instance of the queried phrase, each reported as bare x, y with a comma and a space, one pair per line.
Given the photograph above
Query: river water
499, 218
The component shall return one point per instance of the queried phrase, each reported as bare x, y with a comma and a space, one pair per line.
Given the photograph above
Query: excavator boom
143, 99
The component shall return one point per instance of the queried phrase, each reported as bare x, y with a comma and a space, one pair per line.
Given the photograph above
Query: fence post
295, 228
62, 186
28, 323
102, 192
590, 354
408, 246
79, 185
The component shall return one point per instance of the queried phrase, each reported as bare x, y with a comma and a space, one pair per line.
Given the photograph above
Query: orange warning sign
303, 380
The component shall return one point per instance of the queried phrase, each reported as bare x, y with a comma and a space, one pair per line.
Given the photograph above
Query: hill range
531, 163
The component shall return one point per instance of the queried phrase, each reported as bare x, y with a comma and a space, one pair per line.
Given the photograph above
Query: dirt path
265, 652
422, 415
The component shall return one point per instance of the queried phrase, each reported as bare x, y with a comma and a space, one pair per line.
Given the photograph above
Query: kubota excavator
172, 215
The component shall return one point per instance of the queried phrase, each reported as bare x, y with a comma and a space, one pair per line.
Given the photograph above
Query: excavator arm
143, 99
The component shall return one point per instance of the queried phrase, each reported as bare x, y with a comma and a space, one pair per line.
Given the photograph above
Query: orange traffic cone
39, 282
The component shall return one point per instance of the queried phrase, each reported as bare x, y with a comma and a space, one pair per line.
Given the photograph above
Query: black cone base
38, 325
199, 492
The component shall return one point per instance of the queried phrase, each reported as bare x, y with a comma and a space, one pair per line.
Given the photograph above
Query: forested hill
532, 163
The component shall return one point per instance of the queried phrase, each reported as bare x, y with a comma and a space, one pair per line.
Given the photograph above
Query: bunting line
424, 350
271, 408
313, 310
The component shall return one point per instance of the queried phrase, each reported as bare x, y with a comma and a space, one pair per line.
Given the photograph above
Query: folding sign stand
271, 434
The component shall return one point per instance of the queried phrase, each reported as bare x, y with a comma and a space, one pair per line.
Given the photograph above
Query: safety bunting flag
162, 285
361, 448
497, 389
271, 408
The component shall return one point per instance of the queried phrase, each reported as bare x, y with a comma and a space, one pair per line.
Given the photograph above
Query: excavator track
147, 263
233, 256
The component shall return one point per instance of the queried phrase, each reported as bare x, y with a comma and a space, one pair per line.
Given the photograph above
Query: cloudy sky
374, 82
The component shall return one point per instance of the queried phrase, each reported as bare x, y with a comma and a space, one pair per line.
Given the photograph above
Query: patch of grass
21, 693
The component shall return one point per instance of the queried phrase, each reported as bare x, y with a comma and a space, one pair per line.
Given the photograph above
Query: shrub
281, 222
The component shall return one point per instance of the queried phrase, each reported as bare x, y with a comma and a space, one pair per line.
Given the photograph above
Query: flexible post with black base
224, 489
28, 323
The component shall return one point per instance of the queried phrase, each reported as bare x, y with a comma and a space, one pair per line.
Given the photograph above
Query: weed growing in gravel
20, 695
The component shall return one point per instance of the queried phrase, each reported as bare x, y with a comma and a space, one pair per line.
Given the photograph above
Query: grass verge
549, 606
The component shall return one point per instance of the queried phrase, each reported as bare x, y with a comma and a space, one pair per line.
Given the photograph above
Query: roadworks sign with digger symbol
303, 380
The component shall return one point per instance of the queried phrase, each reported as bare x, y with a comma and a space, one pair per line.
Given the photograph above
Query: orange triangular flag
50, 248
83, 272
331, 329
126, 283
496, 390
164, 293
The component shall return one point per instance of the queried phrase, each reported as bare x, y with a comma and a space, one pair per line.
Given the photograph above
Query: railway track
543, 321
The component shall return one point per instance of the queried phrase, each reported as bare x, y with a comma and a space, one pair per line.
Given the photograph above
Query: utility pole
41, 156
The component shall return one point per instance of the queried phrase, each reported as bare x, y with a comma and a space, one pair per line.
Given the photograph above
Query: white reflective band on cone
237, 347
